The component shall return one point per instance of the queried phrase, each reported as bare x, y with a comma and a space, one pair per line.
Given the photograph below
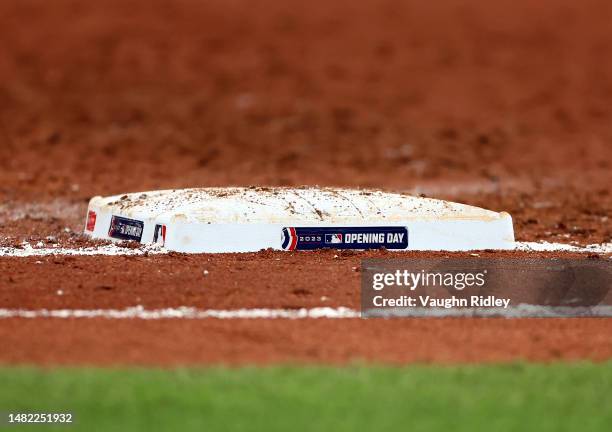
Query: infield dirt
507, 106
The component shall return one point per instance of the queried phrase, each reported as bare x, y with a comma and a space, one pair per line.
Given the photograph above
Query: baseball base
251, 219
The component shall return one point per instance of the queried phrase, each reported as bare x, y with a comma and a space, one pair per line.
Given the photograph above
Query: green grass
512, 397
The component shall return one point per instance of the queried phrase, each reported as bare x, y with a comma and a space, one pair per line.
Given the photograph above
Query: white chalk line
519, 311
562, 247
183, 312
189, 313
27, 250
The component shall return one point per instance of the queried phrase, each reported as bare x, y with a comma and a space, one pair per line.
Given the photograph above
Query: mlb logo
159, 235
333, 238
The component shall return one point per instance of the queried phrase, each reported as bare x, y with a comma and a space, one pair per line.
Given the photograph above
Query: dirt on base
506, 105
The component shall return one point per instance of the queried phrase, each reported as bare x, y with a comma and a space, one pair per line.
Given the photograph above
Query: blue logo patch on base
304, 238
125, 229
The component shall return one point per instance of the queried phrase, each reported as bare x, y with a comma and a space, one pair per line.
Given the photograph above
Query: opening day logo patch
310, 238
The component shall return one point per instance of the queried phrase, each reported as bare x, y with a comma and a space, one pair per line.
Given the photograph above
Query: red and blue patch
91, 220
159, 235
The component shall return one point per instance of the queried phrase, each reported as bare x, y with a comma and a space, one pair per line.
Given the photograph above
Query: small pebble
60, 292
205, 272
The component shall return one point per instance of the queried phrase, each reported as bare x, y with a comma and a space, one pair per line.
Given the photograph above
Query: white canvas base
252, 219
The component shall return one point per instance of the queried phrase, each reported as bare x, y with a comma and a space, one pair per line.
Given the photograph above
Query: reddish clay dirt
179, 342
506, 105
279, 280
